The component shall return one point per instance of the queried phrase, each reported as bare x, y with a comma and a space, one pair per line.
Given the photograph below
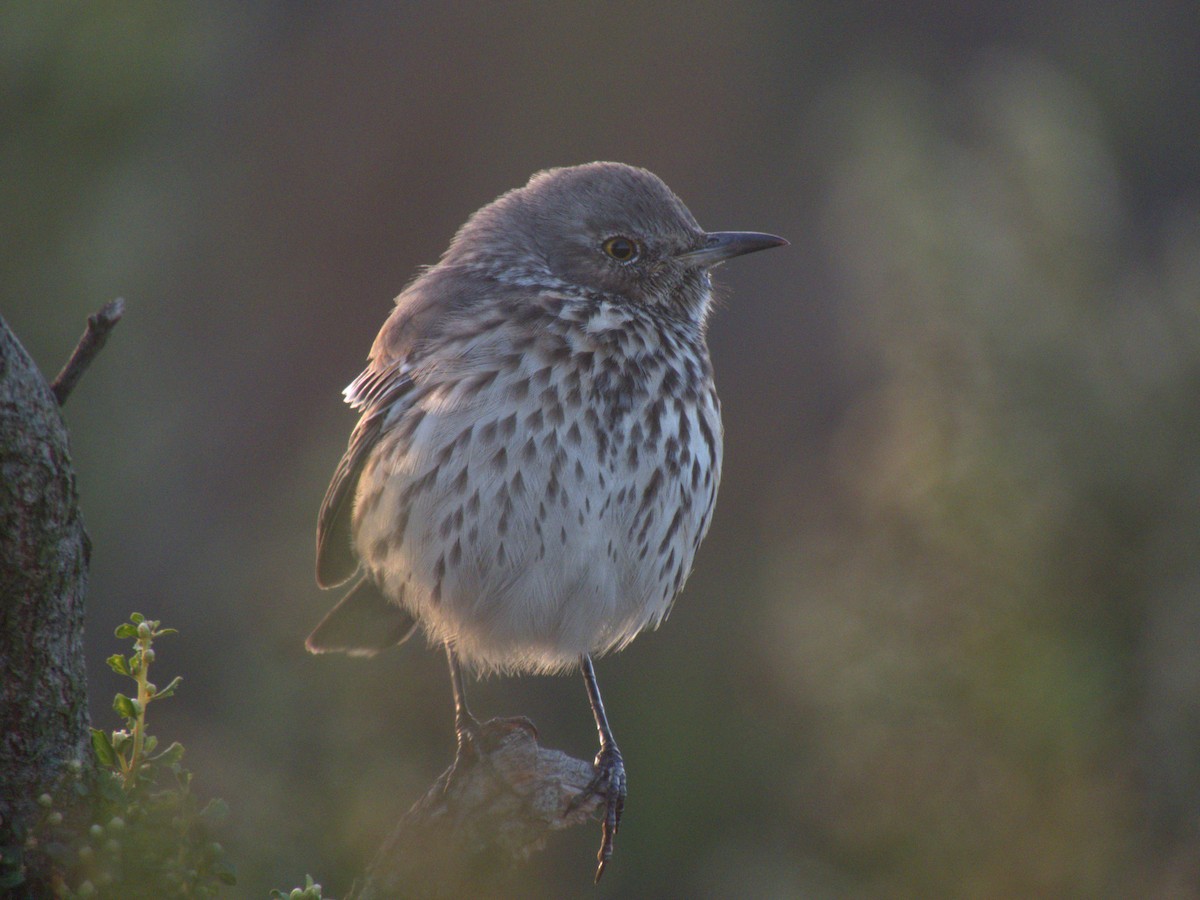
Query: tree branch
463, 838
94, 337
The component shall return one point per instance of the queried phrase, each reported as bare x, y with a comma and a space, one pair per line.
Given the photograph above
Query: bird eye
622, 249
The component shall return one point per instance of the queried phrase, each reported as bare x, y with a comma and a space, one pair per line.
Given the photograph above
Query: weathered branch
463, 838
94, 336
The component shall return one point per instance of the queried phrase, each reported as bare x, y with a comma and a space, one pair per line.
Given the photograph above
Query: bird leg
475, 740
466, 726
608, 781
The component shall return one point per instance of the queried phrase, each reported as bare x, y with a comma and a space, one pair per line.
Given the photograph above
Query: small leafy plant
131, 826
130, 751
310, 891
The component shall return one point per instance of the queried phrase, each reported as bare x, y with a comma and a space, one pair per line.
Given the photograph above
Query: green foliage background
942, 640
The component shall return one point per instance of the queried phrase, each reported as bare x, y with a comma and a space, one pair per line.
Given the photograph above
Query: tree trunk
43, 581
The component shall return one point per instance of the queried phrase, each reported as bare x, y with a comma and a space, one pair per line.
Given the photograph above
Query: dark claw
608, 782
477, 740
522, 722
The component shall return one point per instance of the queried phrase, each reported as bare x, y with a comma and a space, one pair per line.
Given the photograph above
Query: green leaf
171, 756
170, 688
164, 631
102, 744
225, 874
137, 618
126, 631
118, 664
120, 739
124, 707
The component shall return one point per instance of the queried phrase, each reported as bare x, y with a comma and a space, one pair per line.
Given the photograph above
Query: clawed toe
469, 734
609, 784
514, 722
477, 740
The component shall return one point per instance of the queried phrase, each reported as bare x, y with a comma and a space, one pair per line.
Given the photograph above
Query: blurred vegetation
125, 823
942, 639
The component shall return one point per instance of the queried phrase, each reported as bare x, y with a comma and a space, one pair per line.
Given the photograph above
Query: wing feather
336, 560
421, 313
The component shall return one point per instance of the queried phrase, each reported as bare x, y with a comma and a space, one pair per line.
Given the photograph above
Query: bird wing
421, 311
336, 560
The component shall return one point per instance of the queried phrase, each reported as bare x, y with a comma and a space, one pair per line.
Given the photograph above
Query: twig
467, 837
98, 327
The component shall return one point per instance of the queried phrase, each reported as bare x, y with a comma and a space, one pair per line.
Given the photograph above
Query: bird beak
722, 245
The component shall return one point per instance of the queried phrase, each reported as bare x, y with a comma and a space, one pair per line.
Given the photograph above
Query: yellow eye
622, 249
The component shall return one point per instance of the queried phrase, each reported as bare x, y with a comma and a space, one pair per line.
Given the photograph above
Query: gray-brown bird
540, 442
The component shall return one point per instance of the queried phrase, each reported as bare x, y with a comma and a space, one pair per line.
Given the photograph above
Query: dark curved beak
722, 245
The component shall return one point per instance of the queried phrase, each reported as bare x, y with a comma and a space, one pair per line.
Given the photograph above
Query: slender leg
475, 741
609, 767
466, 726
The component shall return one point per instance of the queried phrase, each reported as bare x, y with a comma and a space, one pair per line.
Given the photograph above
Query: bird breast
535, 503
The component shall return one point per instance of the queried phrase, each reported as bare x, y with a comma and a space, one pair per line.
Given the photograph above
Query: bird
539, 445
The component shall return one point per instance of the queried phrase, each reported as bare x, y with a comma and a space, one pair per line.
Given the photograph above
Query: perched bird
540, 442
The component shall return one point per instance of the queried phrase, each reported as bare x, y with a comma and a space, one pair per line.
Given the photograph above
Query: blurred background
944, 637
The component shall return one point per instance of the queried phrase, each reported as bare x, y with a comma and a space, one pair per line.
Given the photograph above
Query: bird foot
469, 734
476, 740
609, 784
497, 728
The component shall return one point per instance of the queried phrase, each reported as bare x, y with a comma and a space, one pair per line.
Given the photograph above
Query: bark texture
43, 581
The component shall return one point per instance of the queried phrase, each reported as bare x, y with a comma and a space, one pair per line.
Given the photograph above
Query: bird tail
363, 623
